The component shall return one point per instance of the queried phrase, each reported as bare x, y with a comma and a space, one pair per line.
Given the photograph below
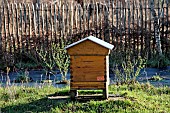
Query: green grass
137, 98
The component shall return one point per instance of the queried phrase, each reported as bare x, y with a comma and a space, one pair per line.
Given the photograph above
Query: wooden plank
121, 21
67, 19
100, 18
8, 30
55, 23
163, 28
167, 26
88, 77
38, 24
87, 85
80, 22
145, 34
17, 26
150, 27
10, 26
51, 24
93, 10
28, 28
59, 18
5, 37
88, 18
25, 29
84, 17
88, 69
21, 28
13, 27
129, 22
107, 26
85, 75
29, 33
133, 30
117, 26
71, 19
0, 32
46, 25
96, 22
63, 20
148, 30
43, 25
124, 22
87, 65
34, 23
89, 48
88, 58
141, 39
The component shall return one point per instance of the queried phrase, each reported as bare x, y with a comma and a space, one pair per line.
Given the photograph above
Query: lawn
136, 98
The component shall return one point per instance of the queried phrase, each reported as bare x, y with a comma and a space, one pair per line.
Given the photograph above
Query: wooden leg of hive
105, 93
73, 94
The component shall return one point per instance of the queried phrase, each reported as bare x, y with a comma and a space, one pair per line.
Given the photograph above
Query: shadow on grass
40, 105
54, 101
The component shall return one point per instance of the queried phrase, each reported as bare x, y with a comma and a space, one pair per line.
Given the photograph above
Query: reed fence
127, 25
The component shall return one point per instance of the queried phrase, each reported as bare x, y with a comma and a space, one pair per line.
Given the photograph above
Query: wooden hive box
89, 64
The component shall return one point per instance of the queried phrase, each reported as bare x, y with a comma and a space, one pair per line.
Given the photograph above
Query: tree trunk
156, 28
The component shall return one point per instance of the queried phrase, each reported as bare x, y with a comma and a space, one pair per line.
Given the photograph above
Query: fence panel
127, 25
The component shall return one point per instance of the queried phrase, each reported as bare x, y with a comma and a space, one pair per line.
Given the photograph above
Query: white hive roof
95, 40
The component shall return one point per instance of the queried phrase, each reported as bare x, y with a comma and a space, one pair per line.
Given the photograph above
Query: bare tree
156, 17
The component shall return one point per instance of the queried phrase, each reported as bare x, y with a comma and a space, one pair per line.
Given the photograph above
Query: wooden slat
124, 22
117, 25
129, 22
13, 27
67, 18
25, 29
43, 25
46, 25
167, 20
63, 20
5, 38
133, 30
87, 85
8, 30
100, 18
38, 24
59, 18
10, 37
88, 58
22, 26
87, 68
55, 23
0, 32
80, 21
87, 76
71, 19
162, 33
121, 27
51, 23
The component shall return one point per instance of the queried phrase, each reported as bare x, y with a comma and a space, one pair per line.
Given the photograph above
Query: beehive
89, 65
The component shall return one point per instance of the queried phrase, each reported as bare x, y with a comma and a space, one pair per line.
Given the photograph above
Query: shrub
129, 70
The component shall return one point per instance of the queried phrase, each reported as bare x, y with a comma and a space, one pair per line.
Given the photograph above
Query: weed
129, 70
156, 78
61, 58
134, 98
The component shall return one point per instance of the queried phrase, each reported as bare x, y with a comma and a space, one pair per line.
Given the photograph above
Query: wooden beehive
89, 65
